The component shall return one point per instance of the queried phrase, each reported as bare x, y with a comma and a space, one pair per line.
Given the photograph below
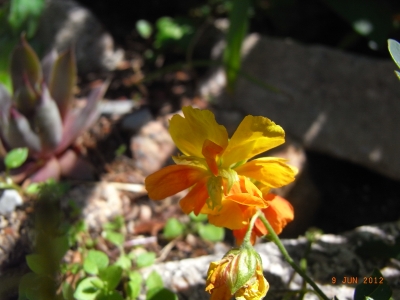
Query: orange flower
211, 163
278, 213
237, 207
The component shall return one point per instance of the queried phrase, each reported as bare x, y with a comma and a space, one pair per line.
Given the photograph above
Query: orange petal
240, 233
247, 199
279, 213
195, 199
210, 151
172, 179
231, 215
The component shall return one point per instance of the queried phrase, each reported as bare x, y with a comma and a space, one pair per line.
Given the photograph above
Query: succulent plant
41, 116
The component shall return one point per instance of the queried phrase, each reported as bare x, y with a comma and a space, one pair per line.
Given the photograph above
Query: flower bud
239, 273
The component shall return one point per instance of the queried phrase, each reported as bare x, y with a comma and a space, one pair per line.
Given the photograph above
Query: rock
152, 147
116, 107
331, 258
9, 199
100, 203
340, 104
132, 122
66, 23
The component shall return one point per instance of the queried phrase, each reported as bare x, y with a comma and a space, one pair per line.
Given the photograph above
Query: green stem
247, 237
277, 241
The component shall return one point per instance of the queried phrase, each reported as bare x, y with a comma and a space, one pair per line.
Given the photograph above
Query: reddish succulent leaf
25, 63
78, 120
25, 99
5, 104
62, 81
48, 122
47, 65
20, 134
74, 166
50, 170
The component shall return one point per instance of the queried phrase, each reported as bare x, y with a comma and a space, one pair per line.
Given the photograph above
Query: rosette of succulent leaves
41, 114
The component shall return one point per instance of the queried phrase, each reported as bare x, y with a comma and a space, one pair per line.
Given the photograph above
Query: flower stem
247, 237
277, 241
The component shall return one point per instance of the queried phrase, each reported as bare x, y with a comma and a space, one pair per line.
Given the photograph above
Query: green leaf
211, 233
33, 188
144, 28
116, 224
98, 283
124, 262
230, 175
134, 285
86, 290
394, 49
112, 275
94, 261
113, 295
238, 20
169, 29
35, 287
173, 228
59, 247
36, 263
145, 259
114, 237
15, 158
198, 218
29, 286
373, 286
24, 14
154, 281
160, 294
67, 291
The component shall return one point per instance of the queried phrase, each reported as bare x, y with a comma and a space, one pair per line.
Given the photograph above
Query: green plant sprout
13, 160
175, 228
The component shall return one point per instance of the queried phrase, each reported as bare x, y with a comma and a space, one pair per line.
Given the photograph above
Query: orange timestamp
355, 280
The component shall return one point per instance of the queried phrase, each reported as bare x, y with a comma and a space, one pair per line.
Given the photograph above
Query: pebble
9, 199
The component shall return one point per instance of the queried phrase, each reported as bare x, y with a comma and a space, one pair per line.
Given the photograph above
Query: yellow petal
255, 289
190, 132
172, 179
253, 136
270, 171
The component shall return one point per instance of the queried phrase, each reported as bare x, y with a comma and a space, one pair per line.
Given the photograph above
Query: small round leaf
15, 158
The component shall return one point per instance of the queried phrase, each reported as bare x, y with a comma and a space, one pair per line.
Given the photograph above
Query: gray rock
133, 121
341, 104
330, 260
9, 199
65, 23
